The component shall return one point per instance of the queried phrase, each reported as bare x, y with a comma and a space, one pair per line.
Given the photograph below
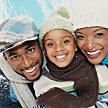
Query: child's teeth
60, 57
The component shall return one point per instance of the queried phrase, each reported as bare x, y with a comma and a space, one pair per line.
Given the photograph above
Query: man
20, 57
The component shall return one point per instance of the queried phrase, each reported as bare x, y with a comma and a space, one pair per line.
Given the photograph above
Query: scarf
74, 71
19, 84
86, 84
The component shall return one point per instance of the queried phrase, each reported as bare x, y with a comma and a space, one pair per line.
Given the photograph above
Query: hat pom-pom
62, 11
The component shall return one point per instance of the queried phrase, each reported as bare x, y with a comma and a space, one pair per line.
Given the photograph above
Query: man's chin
33, 78
30, 78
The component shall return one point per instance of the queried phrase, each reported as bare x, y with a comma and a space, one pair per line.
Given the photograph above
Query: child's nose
59, 47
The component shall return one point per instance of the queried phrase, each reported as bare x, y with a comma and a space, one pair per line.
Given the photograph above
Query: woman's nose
90, 44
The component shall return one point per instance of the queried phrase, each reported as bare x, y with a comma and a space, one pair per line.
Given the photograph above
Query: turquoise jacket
105, 61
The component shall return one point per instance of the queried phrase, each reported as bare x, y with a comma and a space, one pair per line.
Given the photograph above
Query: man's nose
26, 62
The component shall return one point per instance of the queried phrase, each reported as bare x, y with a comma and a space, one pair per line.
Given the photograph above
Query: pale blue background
26, 7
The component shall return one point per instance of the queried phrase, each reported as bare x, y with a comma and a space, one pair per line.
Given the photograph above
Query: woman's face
93, 42
59, 47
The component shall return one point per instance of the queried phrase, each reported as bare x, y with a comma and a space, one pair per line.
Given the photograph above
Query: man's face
93, 41
26, 59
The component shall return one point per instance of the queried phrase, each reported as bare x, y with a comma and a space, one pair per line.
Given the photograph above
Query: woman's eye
99, 35
80, 37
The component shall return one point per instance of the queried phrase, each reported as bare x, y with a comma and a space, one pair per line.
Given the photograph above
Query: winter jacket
5, 97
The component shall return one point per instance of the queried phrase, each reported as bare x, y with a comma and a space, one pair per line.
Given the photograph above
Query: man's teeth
92, 53
60, 57
30, 69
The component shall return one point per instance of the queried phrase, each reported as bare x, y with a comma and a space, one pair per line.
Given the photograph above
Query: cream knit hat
59, 19
89, 13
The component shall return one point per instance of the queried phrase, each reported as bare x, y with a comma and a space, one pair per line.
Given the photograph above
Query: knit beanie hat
17, 30
89, 13
59, 19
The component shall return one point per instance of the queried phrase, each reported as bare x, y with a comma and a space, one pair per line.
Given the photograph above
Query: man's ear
4, 56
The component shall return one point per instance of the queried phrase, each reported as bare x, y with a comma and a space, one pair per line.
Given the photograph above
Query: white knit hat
17, 30
89, 13
59, 19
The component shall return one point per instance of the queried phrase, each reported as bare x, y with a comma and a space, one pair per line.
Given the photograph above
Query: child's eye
50, 44
66, 41
99, 35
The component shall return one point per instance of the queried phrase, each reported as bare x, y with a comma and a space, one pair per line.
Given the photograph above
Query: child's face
93, 41
59, 47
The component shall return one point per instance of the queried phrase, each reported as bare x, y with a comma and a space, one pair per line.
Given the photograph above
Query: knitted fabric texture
89, 13
16, 31
85, 79
59, 19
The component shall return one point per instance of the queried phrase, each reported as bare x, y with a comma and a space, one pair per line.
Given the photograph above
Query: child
65, 63
91, 27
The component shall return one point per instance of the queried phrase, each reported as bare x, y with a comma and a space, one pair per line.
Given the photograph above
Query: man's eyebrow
28, 46
12, 53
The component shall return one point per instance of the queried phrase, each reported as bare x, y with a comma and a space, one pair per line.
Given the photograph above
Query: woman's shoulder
102, 72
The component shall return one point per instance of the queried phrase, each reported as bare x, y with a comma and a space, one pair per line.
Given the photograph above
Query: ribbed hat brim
89, 13
20, 42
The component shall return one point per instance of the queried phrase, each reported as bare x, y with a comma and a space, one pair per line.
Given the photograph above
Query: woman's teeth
93, 52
